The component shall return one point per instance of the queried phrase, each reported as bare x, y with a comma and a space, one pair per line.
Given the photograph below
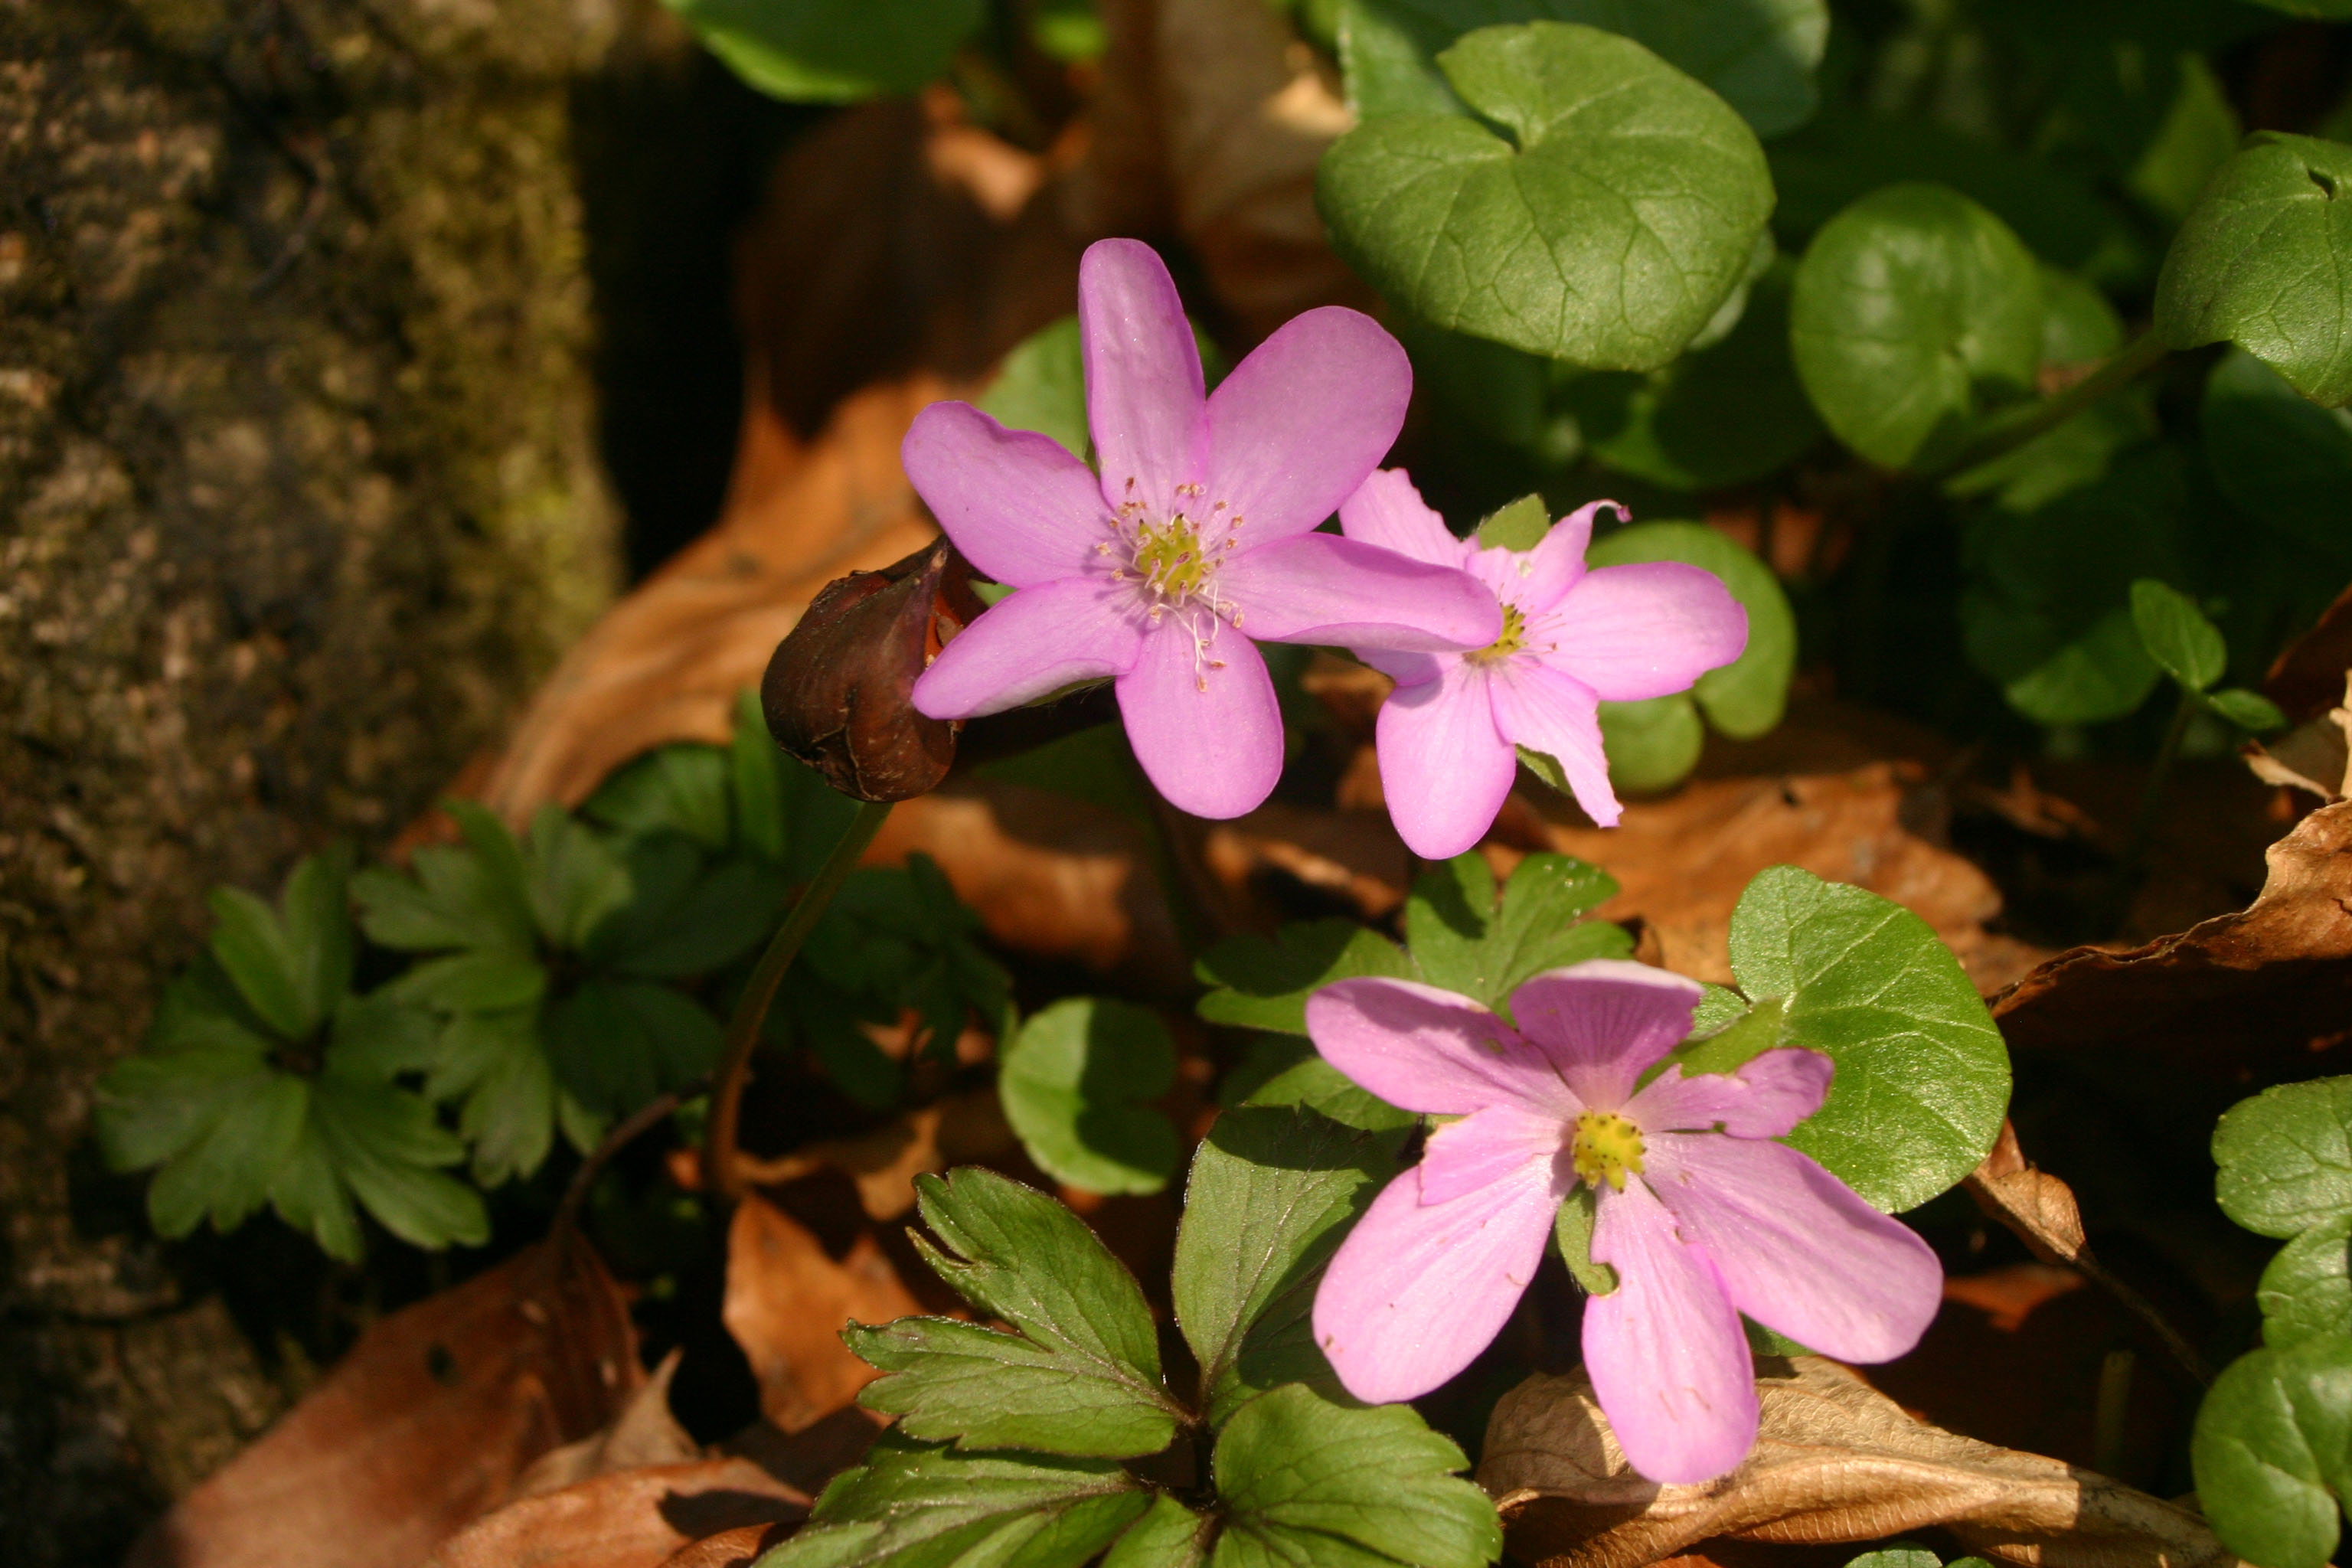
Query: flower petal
1444, 768
1645, 629
1426, 1049
1491, 1145
1667, 1357
1765, 1098
1417, 1290
1209, 739
1144, 392
1795, 1248
1387, 511
1603, 1021
1032, 644
1315, 588
1299, 423
1556, 563
1545, 710
1020, 508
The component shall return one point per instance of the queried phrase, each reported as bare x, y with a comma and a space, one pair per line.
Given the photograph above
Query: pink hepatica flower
1701, 1213
1197, 537
1571, 639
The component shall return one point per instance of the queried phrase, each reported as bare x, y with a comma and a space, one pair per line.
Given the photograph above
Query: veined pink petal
1603, 1021
1556, 563
1795, 1248
1209, 739
1019, 507
1426, 1049
1032, 644
1299, 423
1645, 629
1489, 1146
1538, 707
1664, 1349
1387, 511
1445, 769
1144, 393
1417, 1290
1765, 1098
1317, 588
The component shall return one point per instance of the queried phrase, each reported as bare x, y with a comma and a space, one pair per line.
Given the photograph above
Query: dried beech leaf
2029, 1200
423, 1426
787, 1302
1835, 1461
958, 1129
2307, 676
643, 1433
630, 1519
2268, 979
737, 1548
2008, 1295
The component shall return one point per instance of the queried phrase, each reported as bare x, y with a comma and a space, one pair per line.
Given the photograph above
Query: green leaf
289, 963
1914, 311
380, 1035
921, 1505
1068, 30
1464, 941
1896, 1556
384, 1143
482, 980
682, 788
1304, 1478
2260, 262
200, 1009
1571, 1233
2184, 644
1518, 525
1922, 1076
990, 1390
722, 915
1018, 1255
832, 51
508, 1116
225, 1171
1169, 1536
616, 1044
1073, 1082
1652, 744
2272, 1452
1043, 387
152, 1107
1731, 1045
1746, 698
1607, 225
2285, 1157
1275, 1187
1259, 983
2306, 1291
309, 1197
755, 780
458, 900
2199, 132
575, 880
1758, 55
2282, 461
2247, 709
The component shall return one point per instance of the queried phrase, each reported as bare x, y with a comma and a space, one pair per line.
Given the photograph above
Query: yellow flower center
1169, 560
1606, 1147
1515, 633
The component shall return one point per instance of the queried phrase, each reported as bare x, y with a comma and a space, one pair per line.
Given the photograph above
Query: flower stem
720, 1174
646, 1117
2016, 426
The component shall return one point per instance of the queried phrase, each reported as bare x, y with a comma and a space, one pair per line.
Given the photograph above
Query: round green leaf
2285, 1157
2261, 262
1746, 698
1618, 210
2281, 459
1073, 1081
2306, 1291
2273, 1451
1914, 310
1652, 744
832, 51
2177, 634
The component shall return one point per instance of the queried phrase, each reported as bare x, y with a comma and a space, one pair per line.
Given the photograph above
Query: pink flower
1701, 1213
1197, 537
1571, 639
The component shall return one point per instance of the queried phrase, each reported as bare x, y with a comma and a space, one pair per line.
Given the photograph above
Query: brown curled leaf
2028, 1200
787, 1301
1835, 1461
629, 1519
837, 692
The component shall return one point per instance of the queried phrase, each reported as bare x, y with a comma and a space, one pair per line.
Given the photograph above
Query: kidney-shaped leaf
2286, 1157
2273, 1452
1073, 1082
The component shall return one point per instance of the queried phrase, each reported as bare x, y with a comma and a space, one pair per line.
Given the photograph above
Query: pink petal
1144, 391
1665, 1352
1603, 1021
1645, 629
1426, 1049
1209, 739
1019, 507
1387, 511
1765, 1098
1556, 564
1417, 1290
1489, 1146
1299, 423
1315, 588
1444, 768
1545, 710
1795, 1248
1032, 644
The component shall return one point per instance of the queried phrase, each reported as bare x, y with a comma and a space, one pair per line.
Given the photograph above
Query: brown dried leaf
1835, 1461
2273, 977
2009, 1294
737, 1548
631, 1518
2029, 1200
2307, 676
884, 1163
423, 1426
786, 1305
643, 1433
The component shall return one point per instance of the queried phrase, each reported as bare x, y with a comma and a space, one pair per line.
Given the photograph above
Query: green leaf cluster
2189, 647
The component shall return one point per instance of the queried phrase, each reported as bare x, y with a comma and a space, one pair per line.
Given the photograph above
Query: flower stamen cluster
1606, 1146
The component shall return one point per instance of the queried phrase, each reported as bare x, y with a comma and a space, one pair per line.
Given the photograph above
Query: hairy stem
2016, 426
720, 1174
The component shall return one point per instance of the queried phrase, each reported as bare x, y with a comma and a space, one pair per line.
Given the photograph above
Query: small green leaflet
1169, 1536
2272, 1452
1042, 388
1605, 228
1073, 1081
2184, 644
2285, 1157
293, 963
1652, 744
832, 51
2306, 1291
